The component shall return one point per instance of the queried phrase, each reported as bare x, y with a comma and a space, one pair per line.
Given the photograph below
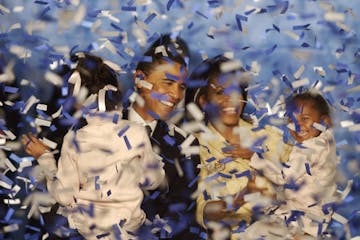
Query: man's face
162, 89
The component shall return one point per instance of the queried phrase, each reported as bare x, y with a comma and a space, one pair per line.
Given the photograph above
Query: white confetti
53, 78
101, 100
334, 17
18, 9
299, 72
42, 122
49, 143
57, 113
300, 83
4, 9
42, 107
320, 70
195, 111
11, 228
230, 66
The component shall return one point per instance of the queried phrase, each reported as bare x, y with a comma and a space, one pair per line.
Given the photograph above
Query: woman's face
224, 94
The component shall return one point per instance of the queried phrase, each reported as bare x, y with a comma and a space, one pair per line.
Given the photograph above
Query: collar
135, 117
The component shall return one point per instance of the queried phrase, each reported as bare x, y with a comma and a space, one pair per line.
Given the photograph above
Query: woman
226, 145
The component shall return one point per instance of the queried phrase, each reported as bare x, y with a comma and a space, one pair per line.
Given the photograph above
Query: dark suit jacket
174, 203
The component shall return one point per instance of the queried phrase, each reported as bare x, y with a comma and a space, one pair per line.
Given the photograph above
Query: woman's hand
238, 152
33, 146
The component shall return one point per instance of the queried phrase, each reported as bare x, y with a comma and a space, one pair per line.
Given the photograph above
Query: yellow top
225, 177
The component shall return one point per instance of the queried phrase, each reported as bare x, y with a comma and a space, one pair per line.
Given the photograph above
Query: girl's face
226, 97
305, 116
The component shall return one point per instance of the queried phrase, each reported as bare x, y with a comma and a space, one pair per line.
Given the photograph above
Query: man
159, 83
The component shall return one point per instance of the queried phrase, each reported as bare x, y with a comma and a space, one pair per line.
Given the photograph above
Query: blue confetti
250, 11
169, 4
47, 9
15, 158
225, 160
9, 89
9, 214
201, 14
301, 27
150, 18
159, 96
153, 115
224, 175
123, 130
191, 24
128, 145
177, 207
128, 8
212, 177
97, 185
155, 194
41, 2
192, 183
307, 166
246, 173
116, 118
172, 77
270, 50
295, 214
210, 159
240, 18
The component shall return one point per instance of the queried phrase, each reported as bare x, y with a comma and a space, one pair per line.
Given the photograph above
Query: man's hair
164, 49
95, 75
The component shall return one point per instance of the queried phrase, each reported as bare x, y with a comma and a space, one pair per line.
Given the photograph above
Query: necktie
148, 130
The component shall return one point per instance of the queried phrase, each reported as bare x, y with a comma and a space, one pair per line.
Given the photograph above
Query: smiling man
159, 83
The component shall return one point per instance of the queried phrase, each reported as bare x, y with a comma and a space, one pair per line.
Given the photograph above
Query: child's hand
215, 210
257, 184
239, 152
33, 146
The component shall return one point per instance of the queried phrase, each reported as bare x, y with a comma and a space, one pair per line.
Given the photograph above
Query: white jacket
102, 166
312, 168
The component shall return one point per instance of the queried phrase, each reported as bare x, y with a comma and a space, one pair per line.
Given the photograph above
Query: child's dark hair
95, 75
318, 101
175, 49
210, 69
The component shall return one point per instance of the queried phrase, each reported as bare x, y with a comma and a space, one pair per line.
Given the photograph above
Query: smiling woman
227, 142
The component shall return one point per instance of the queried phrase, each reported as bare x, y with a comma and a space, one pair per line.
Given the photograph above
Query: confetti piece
4, 9
300, 83
42, 122
128, 145
240, 18
128, 8
11, 228
230, 66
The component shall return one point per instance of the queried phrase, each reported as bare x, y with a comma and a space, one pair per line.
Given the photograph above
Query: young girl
309, 175
225, 144
103, 164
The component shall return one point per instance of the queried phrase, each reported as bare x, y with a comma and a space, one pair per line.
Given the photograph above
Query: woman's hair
318, 101
95, 75
210, 69
164, 49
